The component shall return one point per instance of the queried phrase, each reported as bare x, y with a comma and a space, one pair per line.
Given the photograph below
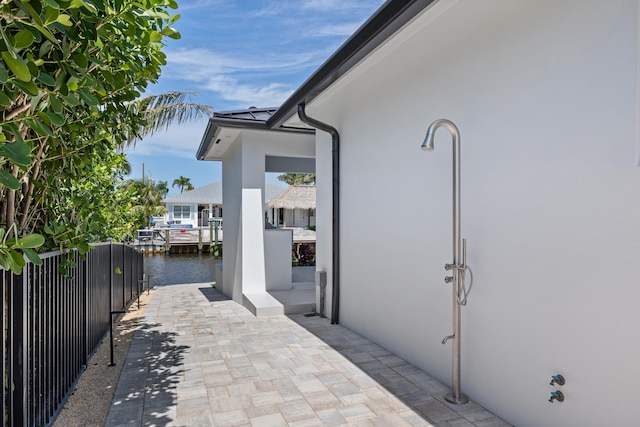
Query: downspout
335, 151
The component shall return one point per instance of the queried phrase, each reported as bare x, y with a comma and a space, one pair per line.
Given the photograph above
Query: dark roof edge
391, 16
217, 122
253, 124
205, 143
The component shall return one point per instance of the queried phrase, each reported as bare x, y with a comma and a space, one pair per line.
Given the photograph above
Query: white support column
253, 268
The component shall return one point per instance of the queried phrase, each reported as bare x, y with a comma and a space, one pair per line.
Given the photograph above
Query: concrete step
297, 300
262, 304
273, 303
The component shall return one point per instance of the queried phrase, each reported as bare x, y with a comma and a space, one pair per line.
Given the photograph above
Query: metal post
458, 268
321, 282
111, 333
456, 396
216, 236
18, 362
210, 236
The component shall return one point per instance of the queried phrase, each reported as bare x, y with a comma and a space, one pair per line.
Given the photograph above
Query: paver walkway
199, 359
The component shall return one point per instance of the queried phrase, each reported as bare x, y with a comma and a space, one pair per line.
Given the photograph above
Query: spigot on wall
556, 395
557, 379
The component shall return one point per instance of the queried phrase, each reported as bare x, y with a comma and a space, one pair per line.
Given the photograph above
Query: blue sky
238, 54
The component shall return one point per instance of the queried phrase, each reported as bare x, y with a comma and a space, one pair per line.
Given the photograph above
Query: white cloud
346, 29
247, 95
198, 4
177, 141
220, 74
201, 61
333, 5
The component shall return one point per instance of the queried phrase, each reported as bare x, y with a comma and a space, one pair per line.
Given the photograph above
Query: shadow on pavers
212, 294
417, 389
147, 390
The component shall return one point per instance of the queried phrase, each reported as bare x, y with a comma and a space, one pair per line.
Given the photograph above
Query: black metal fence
52, 323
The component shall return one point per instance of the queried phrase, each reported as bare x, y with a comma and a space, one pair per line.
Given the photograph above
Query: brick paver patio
199, 359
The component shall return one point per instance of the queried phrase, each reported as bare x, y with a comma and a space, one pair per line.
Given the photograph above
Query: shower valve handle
449, 267
448, 279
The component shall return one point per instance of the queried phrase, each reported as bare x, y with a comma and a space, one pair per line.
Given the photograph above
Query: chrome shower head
427, 145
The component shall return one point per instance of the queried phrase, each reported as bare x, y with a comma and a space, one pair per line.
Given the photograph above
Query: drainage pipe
335, 153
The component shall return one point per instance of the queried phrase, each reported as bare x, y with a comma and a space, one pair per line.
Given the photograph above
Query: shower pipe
459, 256
335, 152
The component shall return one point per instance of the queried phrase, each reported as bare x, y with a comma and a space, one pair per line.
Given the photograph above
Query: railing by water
185, 239
53, 323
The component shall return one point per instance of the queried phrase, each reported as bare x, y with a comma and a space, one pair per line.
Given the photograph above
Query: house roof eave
216, 123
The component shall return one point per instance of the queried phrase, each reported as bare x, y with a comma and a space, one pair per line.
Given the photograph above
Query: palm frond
164, 110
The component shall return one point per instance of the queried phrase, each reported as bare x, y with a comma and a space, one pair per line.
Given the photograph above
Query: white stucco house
196, 207
545, 95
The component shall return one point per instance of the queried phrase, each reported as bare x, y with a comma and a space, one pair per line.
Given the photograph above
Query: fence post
111, 293
5, 338
18, 408
124, 282
85, 286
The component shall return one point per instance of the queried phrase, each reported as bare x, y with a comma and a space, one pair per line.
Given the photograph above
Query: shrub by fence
53, 323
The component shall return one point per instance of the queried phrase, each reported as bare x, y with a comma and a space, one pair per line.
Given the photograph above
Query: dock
179, 240
196, 240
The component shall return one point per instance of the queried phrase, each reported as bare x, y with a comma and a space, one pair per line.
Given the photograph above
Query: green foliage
183, 183
146, 197
162, 187
216, 250
13, 250
71, 76
166, 109
298, 178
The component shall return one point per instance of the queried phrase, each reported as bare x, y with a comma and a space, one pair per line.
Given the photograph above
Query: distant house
294, 207
196, 207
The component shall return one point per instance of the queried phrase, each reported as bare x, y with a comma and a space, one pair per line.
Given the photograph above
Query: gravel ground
89, 403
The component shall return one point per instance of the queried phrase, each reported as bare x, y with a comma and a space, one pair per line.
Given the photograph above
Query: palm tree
297, 178
146, 196
162, 187
182, 182
161, 111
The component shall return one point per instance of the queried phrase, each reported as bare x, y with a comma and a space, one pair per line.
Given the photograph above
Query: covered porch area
257, 263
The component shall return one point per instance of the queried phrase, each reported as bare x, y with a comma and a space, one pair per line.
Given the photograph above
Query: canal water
174, 269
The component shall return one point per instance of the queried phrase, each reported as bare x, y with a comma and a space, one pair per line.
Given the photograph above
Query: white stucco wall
544, 94
231, 215
277, 248
324, 222
243, 168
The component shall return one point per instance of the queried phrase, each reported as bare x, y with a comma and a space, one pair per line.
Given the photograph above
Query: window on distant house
181, 212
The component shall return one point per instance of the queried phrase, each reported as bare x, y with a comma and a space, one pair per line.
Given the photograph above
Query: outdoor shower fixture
459, 265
